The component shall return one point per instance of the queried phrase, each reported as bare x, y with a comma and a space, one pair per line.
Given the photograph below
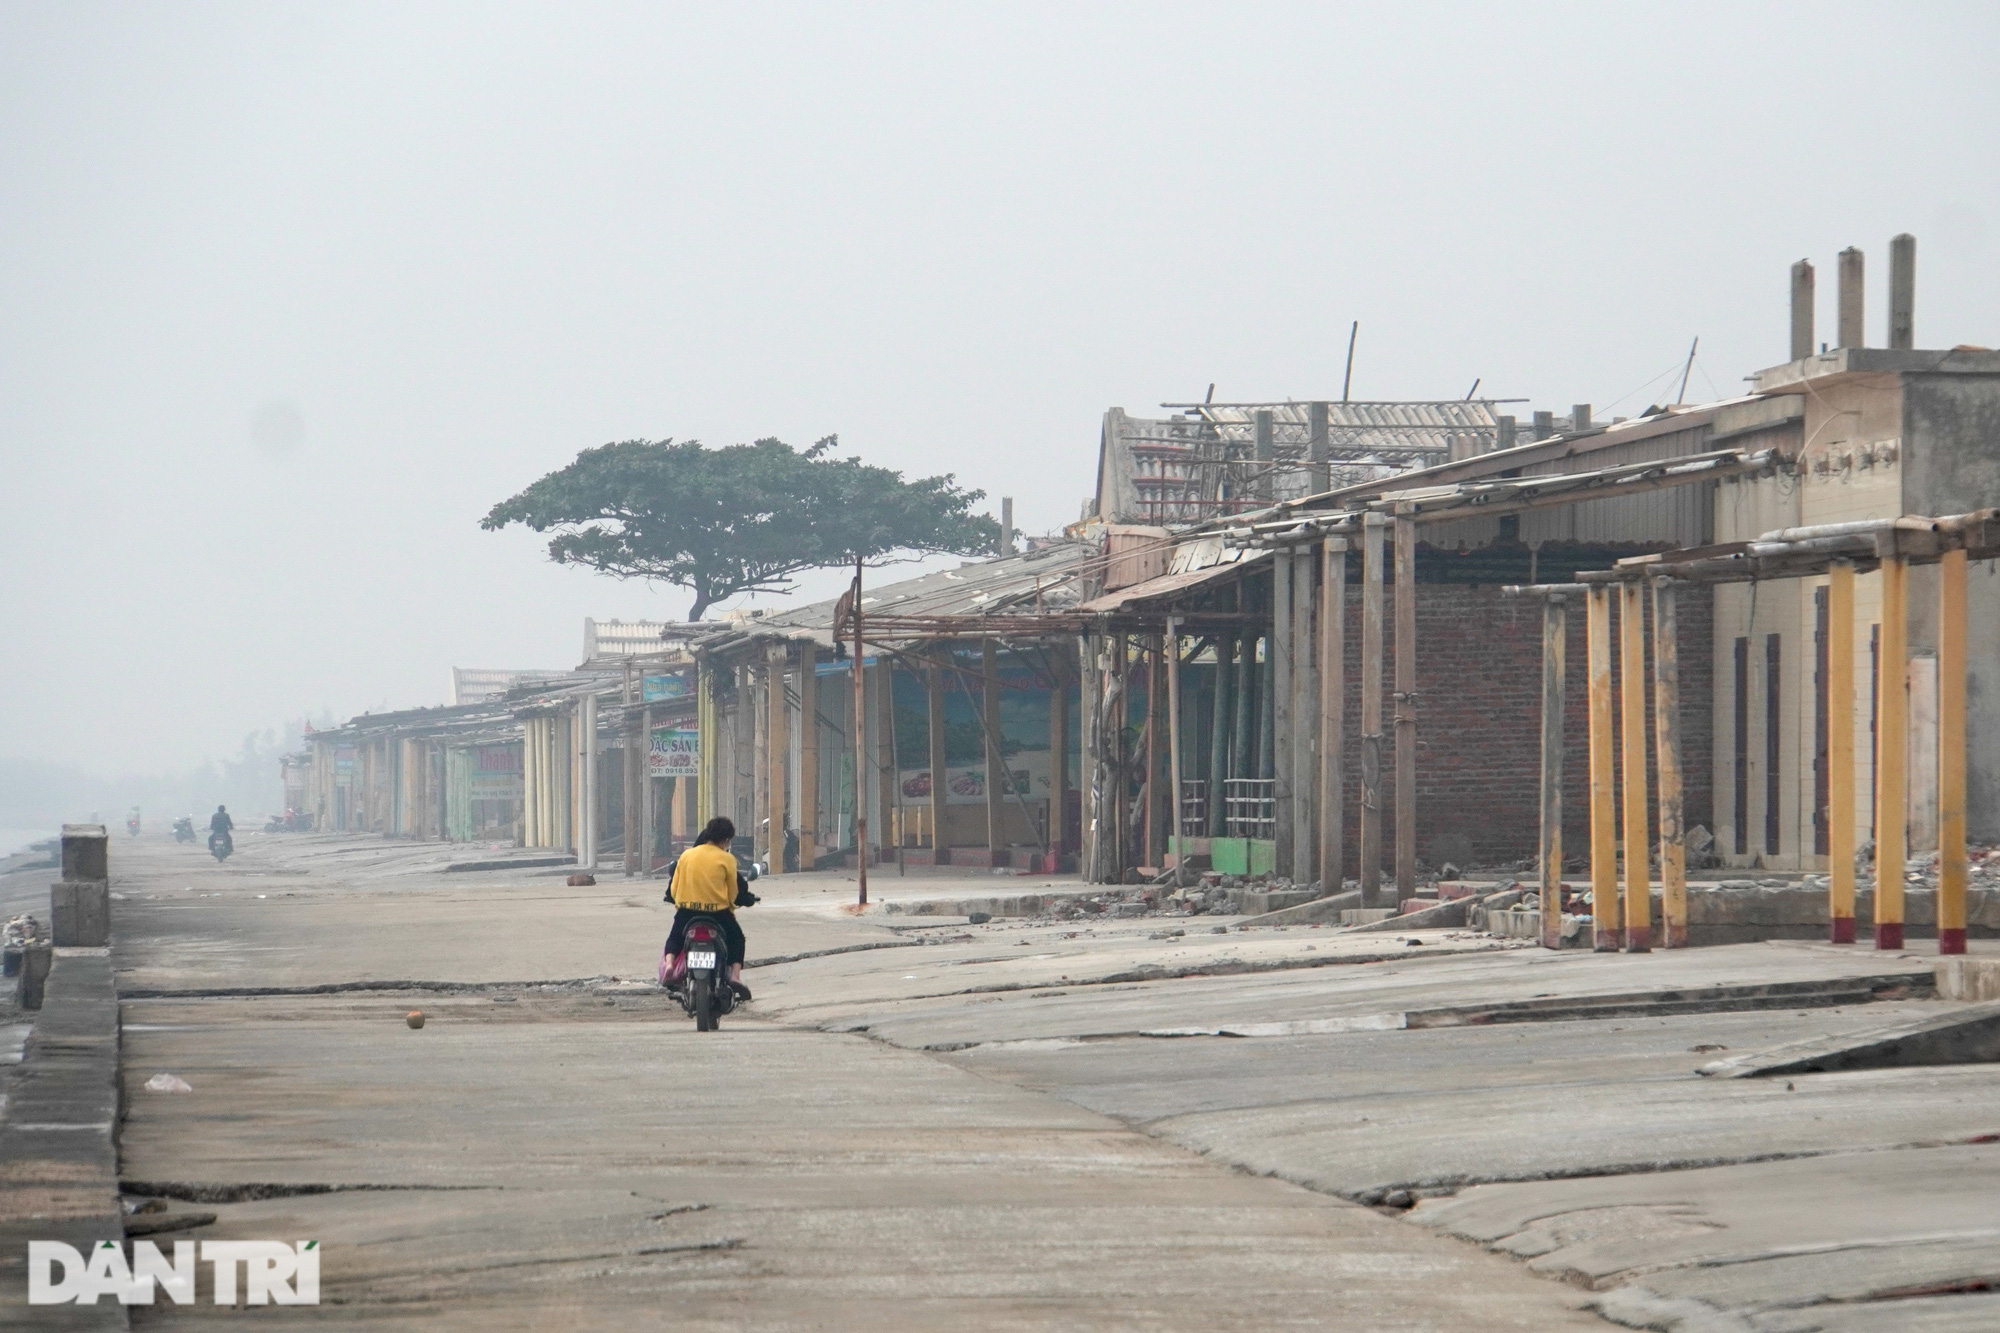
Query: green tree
745, 518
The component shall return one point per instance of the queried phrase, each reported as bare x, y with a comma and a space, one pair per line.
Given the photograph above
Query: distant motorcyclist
220, 827
706, 882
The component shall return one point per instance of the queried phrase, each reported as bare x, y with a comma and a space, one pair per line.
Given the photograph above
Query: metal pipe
1305, 723
1174, 742
1280, 704
1906, 523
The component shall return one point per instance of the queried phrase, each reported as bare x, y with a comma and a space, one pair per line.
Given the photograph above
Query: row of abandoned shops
1284, 643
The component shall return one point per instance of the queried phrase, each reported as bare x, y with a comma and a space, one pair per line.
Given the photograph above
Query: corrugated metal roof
1047, 576
1353, 429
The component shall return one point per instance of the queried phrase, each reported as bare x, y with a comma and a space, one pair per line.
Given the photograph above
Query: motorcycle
220, 845
184, 829
132, 822
698, 976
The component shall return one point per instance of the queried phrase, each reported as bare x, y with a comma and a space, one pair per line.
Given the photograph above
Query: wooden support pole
1632, 767
1555, 641
996, 763
777, 759
1058, 762
1841, 794
1173, 665
1305, 720
1371, 709
1606, 915
934, 696
1892, 715
1281, 706
1667, 743
1406, 708
1332, 702
808, 756
1951, 666
1222, 708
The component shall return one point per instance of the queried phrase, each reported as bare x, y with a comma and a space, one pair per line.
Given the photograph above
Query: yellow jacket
705, 879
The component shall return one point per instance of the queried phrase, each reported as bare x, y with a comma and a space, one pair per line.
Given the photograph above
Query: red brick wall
1479, 685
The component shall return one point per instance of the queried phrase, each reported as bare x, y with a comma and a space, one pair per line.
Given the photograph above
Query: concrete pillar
1058, 757
1371, 709
1891, 725
1222, 709
1850, 329
1544, 426
1951, 666
1667, 745
996, 762
1406, 708
1840, 784
809, 811
934, 696
1555, 643
1903, 291
1632, 768
1305, 720
1263, 483
1332, 703
1802, 310
1006, 546
1607, 917
1505, 436
1579, 418
1318, 452
1281, 706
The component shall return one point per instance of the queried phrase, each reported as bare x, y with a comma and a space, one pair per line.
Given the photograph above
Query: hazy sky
291, 293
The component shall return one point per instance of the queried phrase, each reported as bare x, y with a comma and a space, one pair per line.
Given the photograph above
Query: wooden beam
1371, 709
1406, 708
1332, 703
1667, 759
1606, 915
1555, 645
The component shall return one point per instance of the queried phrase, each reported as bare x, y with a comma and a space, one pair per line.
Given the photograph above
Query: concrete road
927, 1121
578, 1157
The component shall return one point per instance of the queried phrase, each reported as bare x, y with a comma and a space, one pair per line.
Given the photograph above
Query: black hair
720, 830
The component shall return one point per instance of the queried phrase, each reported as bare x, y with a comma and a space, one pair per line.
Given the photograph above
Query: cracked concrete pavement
966, 1124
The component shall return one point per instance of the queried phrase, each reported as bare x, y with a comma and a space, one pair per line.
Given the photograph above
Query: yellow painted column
1892, 716
1951, 752
1638, 845
1605, 909
1840, 784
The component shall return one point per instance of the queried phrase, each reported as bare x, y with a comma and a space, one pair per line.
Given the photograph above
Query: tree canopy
744, 518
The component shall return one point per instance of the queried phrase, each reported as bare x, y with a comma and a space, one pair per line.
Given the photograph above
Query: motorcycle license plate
701, 958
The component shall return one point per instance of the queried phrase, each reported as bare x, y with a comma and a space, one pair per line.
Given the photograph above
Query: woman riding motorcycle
706, 883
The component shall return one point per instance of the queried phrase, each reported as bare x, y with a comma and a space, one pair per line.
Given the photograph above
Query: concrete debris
168, 1083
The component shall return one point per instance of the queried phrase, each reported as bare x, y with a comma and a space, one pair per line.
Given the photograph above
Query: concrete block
1257, 902
34, 974
85, 852
80, 913
1364, 916
1966, 978
1325, 909
1448, 890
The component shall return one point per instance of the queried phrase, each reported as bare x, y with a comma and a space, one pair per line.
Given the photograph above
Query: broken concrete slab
1966, 1036
1968, 978
1308, 913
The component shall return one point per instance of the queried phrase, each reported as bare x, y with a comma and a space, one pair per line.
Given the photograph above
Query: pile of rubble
20, 931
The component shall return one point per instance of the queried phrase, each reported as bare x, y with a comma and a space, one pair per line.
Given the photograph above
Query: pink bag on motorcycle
673, 966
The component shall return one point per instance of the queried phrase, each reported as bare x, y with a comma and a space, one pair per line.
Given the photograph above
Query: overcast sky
290, 294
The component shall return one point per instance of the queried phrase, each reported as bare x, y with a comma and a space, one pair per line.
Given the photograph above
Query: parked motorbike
184, 829
698, 976
132, 822
292, 821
